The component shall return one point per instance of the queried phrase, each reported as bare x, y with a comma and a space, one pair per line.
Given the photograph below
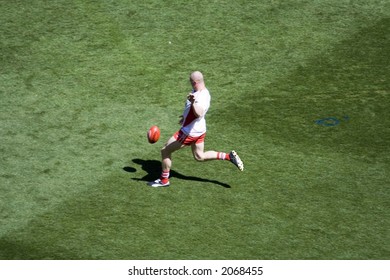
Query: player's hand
181, 120
191, 97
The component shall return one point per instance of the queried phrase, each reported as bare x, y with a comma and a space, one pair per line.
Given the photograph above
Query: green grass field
300, 89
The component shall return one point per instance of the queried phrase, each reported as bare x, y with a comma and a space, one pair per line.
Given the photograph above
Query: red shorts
187, 140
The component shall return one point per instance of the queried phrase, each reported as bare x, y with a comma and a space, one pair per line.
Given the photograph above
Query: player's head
196, 78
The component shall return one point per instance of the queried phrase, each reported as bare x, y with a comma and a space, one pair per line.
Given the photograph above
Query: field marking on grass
331, 121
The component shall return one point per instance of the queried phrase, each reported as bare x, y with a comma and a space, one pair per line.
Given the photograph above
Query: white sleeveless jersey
192, 125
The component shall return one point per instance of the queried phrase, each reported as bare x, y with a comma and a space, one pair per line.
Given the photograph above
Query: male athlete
192, 132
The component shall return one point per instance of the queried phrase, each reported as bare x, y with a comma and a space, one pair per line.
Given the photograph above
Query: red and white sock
223, 156
164, 176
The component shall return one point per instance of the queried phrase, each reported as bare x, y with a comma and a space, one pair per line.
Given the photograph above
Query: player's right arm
198, 108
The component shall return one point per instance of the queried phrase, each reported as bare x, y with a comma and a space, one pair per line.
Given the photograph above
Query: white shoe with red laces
158, 183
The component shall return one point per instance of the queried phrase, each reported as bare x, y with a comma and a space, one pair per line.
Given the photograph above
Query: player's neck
200, 87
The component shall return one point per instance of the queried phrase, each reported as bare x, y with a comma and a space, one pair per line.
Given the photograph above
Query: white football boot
235, 159
158, 183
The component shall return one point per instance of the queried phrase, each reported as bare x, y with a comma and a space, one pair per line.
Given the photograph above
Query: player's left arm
199, 109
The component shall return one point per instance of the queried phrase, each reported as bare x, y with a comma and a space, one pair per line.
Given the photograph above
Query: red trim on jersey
190, 117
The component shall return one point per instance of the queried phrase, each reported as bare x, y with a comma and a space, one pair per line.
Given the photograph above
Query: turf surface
300, 89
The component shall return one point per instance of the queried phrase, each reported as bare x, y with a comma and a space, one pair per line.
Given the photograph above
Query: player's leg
171, 146
201, 155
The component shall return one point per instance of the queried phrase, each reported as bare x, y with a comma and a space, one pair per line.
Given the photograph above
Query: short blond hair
196, 76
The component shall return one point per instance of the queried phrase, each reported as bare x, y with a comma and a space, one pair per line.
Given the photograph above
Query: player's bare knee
198, 157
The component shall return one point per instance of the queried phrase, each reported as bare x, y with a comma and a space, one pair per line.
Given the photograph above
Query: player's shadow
153, 170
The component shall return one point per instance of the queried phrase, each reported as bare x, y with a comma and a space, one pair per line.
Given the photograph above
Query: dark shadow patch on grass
129, 169
13, 250
31, 249
153, 169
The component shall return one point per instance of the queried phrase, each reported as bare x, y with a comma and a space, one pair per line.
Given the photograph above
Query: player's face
193, 83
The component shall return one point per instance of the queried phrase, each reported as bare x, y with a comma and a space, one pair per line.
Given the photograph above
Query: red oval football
153, 134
